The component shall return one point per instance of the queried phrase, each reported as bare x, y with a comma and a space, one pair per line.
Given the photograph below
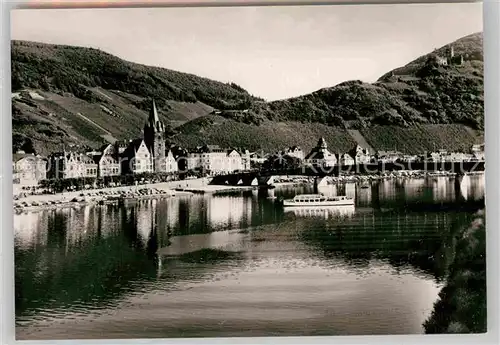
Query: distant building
410, 158
258, 157
72, 165
171, 165
215, 160
360, 155
28, 169
245, 159
181, 157
477, 152
320, 156
345, 159
295, 151
450, 58
389, 156
136, 159
108, 161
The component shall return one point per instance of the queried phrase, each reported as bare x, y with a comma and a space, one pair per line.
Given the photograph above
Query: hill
84, 97
423, 92
89, 96
269, 136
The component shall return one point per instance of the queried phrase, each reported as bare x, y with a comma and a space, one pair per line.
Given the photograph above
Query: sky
273, 52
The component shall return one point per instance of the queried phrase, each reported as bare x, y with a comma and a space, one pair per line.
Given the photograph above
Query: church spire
153, 114
154, 121
322, 143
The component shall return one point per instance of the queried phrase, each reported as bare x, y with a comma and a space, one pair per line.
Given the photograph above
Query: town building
410, 158
136, 159
360, 155
214, 160
295, 151
345, 159
108, 161
258, 158
477, 152
65, 165
28, 169
389, 156
171, 165
245, 159
181, 157
320, 156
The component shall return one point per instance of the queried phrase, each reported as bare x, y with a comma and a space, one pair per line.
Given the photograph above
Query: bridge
262, 177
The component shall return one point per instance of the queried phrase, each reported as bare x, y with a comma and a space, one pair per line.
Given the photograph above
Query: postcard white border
491, 11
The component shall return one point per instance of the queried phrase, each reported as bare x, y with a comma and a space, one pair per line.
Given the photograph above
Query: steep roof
154, 123
16, 157
132, 147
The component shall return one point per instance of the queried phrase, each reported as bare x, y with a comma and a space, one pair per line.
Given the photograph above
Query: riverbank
461, 307
215, 189
186, 187
38, 202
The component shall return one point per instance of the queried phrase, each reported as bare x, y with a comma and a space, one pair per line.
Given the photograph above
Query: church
149, 155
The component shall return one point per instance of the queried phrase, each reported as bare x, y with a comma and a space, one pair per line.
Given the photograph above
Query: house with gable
171, 165
360, 155
108, 161
136, 159
295, 151
320, 156
344, 159
28, 169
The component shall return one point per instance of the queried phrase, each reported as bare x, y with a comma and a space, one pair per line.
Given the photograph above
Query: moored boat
318, 200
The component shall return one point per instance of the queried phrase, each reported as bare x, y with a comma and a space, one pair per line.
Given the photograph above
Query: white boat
324, 211
308, 200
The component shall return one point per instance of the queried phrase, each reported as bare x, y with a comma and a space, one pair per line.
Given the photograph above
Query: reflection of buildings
225, 212
442, 189
364, 196
414, 188
145, 218
387, 190
28, 229
476, 190
350, 190
81, 224
110, 220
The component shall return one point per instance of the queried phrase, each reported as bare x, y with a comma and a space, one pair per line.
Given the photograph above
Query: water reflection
78, 262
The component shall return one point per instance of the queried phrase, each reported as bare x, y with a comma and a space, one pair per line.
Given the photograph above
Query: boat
309, 200
324, 211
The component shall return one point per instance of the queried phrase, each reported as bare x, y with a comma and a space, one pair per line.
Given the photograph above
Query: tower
154, 137
322, 145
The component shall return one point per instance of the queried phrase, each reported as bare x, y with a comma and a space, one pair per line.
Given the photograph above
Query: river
240, 265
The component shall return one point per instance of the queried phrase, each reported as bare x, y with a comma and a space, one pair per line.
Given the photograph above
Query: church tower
154, 137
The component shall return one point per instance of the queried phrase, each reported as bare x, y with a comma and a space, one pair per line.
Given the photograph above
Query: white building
215, 160
137, 159
108, 162
345, 159
171, 163
28, 169
320, 156
295, 151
